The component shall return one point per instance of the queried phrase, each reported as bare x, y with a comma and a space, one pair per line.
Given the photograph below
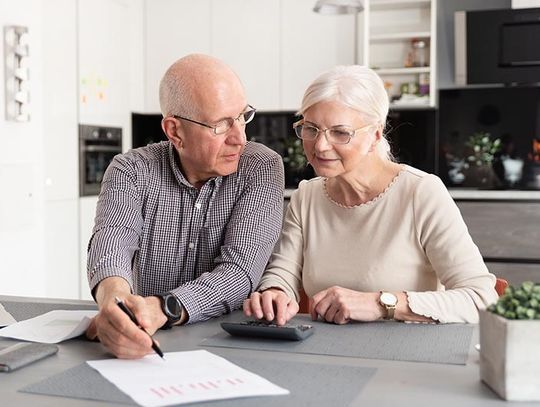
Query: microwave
497, 46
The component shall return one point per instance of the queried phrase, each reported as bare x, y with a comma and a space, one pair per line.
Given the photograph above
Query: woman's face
331, 160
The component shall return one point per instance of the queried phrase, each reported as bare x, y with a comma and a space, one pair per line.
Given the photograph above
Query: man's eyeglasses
334, 135
225, 125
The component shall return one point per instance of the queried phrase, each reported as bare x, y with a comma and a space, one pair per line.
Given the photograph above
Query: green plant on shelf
522, 302
483, 148
295, 158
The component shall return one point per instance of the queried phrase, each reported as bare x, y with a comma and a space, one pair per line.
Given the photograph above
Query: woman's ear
170, 127
377, 136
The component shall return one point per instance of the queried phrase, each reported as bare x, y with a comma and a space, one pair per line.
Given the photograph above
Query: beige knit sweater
410, 238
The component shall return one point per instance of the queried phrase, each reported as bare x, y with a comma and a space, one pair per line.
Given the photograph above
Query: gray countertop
477, 194
396, 383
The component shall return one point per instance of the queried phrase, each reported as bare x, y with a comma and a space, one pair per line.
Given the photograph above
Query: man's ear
170, 127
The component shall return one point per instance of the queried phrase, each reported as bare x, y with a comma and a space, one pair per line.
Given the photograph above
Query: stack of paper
183, 377
52, 327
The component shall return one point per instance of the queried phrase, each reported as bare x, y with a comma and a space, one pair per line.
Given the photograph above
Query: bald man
184, 228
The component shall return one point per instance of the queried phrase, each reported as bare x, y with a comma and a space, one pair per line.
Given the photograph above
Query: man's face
204, 154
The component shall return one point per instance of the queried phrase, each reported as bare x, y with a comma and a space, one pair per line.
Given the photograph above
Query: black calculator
261, 329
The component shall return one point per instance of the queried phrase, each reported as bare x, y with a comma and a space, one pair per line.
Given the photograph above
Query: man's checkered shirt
208, 246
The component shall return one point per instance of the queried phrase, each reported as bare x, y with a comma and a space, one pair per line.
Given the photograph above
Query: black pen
128, 312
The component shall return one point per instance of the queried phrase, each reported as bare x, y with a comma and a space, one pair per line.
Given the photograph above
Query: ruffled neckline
371, 201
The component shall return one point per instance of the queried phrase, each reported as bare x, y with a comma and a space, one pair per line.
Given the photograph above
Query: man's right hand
270, 304
114, 328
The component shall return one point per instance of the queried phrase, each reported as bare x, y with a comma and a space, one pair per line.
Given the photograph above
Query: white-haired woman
368, 238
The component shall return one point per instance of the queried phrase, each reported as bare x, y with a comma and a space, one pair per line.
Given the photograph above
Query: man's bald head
192, 81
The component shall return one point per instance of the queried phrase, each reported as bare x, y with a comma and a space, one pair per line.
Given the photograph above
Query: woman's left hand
341, 305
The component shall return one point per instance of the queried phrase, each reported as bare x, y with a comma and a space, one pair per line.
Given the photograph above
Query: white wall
525, 3
40, 210
21, 167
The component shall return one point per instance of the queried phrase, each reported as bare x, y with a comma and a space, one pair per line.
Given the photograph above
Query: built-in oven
97, 147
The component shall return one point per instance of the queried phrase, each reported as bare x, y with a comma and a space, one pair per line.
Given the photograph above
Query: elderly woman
369, 238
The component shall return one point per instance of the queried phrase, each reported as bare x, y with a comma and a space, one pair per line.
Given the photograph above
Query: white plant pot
510, 356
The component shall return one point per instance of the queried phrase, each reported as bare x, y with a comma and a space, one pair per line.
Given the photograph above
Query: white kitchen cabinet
246, 34
87, 214
389, 29
110, 45
276, 47
310, 44
173, 29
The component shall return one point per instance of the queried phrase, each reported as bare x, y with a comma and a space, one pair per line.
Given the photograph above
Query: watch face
388, 299
173, 306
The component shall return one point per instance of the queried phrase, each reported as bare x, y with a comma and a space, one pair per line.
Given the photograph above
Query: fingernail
269, 317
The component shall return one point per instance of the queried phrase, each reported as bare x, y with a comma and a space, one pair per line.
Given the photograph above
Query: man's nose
237, 133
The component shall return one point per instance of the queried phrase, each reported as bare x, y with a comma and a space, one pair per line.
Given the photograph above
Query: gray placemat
434, 343
24, 310
308, 383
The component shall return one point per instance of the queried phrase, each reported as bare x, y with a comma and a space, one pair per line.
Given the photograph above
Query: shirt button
191, 245
198, 205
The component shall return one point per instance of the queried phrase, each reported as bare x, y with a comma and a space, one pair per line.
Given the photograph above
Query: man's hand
261, 305
114, 328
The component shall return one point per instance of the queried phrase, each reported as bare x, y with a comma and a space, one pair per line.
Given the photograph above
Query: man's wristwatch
172, 308
389, 302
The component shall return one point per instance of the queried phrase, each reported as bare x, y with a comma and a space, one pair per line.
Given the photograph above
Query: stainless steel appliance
97, 147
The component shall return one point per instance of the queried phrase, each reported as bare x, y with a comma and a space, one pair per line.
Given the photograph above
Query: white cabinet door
173, 29
310, 44
87, 214
245, 34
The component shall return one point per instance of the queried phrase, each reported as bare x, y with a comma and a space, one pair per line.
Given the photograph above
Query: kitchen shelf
402, 71
389, 28
399, 36
396, 4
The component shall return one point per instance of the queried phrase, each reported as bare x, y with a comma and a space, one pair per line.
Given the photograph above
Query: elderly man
185, 227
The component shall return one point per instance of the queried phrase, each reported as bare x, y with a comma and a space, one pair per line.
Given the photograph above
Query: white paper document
5, 317
183, 377
52, 327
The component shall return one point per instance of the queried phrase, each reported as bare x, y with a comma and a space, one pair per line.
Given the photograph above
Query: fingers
253, 306
331, 305
281, 302
270, 304
119, 334
91, 331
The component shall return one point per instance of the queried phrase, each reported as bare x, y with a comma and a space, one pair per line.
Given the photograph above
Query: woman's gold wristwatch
389, 302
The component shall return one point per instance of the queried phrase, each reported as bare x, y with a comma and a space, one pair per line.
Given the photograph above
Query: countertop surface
478, 194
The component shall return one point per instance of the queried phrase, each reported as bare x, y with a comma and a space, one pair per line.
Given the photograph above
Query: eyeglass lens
339, 135
244, 118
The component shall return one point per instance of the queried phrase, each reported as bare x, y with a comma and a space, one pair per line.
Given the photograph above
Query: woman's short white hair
357, 87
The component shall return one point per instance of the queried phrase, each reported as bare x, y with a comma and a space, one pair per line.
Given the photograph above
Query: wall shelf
389, 29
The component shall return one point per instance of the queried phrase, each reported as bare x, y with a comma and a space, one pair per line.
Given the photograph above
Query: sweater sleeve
453, 255
284, 270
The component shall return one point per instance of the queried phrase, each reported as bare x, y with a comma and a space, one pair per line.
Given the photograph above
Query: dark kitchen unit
510, 114
412, 134
97, 147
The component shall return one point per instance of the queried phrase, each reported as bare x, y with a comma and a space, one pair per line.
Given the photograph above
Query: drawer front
516, 273
504, 229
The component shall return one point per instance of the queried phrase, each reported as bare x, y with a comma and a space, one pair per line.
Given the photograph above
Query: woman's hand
270, 304
341, 305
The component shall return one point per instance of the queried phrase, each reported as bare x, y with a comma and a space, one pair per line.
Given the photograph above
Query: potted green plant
510, 344
482, 149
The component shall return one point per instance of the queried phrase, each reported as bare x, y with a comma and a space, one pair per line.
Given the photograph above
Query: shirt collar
174, 160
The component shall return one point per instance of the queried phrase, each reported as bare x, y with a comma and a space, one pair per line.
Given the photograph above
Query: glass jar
420, 55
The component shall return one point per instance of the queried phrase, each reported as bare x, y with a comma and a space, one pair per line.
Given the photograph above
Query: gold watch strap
390, 310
